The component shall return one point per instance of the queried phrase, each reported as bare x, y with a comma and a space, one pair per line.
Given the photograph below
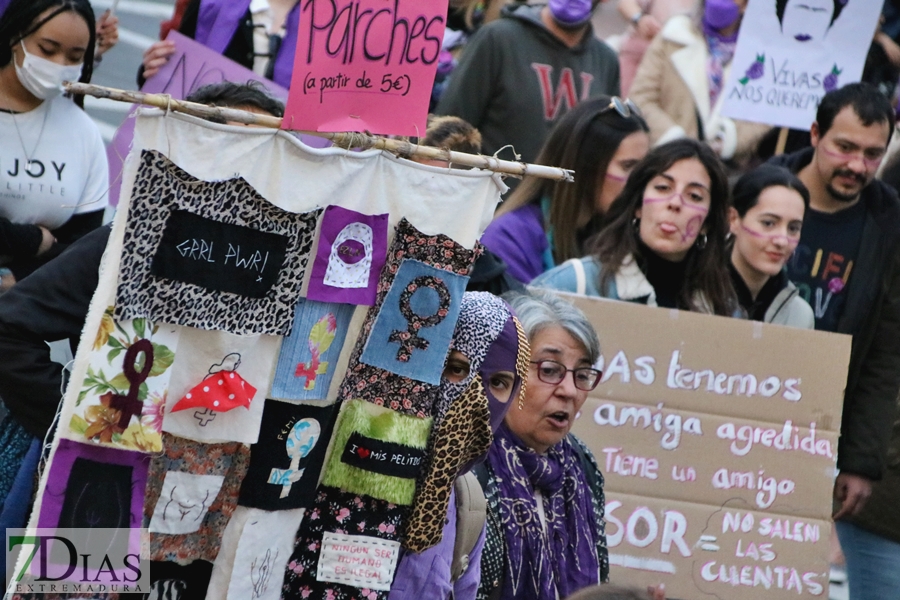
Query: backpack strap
471, 514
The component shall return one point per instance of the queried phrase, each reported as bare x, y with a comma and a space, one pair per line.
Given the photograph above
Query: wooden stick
345, 140
782, 141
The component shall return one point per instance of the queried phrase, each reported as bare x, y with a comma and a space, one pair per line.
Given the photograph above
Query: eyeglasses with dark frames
626, 108
552, 372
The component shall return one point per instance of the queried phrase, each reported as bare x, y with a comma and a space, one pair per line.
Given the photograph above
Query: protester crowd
673, 205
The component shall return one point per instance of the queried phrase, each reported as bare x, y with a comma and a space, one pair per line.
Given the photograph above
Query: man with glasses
847, 267
521, 73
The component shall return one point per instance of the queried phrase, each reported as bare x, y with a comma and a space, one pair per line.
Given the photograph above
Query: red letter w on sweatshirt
565, 89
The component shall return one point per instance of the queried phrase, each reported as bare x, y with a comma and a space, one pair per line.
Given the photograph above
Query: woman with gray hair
545, 528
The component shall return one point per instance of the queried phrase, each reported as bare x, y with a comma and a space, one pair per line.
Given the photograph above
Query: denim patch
412, 332
310, 354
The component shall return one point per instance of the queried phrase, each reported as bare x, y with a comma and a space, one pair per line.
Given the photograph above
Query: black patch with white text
384, 458
219, 256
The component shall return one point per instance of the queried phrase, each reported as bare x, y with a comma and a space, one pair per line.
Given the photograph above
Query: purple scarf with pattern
562, 559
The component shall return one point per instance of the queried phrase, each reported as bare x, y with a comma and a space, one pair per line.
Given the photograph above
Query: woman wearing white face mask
53, 169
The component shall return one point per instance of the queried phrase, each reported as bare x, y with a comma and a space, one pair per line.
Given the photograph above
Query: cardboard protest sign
718, 441
790, 53
192, 66
365, 65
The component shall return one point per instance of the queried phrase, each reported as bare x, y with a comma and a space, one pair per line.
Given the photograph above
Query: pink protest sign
365, 65
192, 66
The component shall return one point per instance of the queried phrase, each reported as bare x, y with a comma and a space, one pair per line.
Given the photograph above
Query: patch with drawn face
349, 258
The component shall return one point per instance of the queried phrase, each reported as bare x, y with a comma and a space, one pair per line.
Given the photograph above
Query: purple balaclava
501, 356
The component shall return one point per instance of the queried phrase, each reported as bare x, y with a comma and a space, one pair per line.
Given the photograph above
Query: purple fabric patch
92, 485
351, 253
64, 459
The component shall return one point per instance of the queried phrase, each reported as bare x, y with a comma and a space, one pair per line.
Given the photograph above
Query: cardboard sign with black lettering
718, 441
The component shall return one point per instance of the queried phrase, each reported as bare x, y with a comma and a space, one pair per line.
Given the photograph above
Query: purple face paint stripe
871, 163
788, 241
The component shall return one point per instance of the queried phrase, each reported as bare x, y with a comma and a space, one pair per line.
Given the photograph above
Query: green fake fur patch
378, 423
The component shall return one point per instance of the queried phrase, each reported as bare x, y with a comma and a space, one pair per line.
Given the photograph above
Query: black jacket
47, 306
872, 317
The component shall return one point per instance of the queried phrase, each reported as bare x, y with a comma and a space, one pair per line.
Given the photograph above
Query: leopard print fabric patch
165, 194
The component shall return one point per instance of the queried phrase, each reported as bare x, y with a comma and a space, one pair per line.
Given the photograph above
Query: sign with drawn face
790, 53
717, 439
365, 65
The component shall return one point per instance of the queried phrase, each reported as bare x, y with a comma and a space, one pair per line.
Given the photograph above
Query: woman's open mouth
559, 419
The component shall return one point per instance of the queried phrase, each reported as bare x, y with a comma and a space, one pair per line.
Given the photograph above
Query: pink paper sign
365, 65
192, 66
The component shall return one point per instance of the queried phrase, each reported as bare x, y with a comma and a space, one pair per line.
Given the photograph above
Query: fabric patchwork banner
191, 483
212, 255
263, 551
341, 513
349, 258
286, 460
122, 399
310, 354
378, 385
213, 362
414, 327
377, 452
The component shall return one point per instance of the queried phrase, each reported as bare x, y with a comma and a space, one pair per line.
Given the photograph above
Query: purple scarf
563, 559
218, 21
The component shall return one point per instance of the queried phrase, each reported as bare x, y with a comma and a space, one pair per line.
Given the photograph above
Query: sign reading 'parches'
365, 65
718, 441
790, 53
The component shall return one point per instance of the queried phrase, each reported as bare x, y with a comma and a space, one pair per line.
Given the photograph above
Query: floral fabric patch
341, 513
122, 400
377, 385
189, 458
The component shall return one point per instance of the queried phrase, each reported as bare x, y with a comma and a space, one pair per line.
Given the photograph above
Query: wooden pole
782, 141
365, 141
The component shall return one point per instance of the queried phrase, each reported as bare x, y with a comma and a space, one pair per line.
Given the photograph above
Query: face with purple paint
610, 183
674, 209
807, 20
848, 154
767, 234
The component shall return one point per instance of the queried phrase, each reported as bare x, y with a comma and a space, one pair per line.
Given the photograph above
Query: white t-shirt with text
68, 174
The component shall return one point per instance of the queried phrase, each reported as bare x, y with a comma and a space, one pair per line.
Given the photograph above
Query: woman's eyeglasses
552, 372
626, 108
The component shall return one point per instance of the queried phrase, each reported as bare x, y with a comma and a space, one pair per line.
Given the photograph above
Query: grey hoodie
516, 79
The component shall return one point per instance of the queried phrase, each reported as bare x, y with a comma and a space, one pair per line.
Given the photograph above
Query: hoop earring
702, 241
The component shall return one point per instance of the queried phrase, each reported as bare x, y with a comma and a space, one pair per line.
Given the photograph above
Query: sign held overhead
365, 65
